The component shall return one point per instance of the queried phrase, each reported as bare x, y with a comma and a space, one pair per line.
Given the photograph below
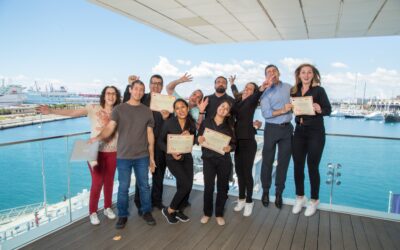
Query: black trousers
183, 172
308, 142
281, 136
157, 180
221, 168
244, 160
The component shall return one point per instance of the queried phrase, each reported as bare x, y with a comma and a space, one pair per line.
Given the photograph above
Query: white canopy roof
225, 21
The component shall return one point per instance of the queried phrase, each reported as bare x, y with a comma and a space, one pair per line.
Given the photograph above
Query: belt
280, 124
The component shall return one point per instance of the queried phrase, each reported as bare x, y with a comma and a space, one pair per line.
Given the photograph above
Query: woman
102, 170
180, 165
217, 165
246, 146
309, 136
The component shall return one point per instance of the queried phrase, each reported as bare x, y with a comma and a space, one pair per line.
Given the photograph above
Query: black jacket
222, 128
171, 126
244, 114
319, 96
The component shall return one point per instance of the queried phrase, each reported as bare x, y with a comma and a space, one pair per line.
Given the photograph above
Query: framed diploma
302, 105
179, 144
162, 102
215, 141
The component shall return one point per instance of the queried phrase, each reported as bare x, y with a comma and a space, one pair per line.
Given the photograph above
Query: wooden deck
267, 228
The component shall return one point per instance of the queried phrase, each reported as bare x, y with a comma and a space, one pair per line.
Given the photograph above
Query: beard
220, 90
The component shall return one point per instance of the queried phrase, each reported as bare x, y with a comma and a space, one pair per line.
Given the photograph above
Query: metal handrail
88, 132
43, 139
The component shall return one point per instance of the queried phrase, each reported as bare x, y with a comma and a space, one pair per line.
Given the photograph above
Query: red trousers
102, 175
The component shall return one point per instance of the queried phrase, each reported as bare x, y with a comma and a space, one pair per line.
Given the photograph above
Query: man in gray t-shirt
134, 123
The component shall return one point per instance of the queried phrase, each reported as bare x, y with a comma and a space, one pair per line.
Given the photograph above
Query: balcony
53, 214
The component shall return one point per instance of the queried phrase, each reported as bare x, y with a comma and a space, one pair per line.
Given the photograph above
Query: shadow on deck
266, 229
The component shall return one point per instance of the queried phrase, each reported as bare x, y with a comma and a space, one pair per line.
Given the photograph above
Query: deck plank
299, 237
382, 234
349, 242
268, 228
359, 233
276, 234
254, 228
324, 235
311, 241
289, 230
372, 237
336, 232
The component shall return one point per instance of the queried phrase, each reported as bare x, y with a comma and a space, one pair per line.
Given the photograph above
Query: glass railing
45, 191
357, 175
42, 190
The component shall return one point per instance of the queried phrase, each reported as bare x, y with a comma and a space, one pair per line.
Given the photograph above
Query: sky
85, 47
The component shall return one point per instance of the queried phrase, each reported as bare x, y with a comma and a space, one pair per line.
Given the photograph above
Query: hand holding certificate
179, 144
303, 105
162, 102
215, 141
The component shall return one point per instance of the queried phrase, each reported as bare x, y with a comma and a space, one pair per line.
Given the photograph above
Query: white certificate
162, 102
179, 144
303, 105
83, 151
215, 141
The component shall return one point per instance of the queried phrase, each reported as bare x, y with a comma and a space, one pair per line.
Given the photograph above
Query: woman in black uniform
246, 145
180, 165
217, 165
309, 136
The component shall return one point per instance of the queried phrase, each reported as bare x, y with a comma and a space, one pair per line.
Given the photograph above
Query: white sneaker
240, 205
109, 213
299, 204
94, 219
311, 208
248, 209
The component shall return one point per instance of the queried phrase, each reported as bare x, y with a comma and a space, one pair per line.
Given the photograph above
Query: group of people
133, 137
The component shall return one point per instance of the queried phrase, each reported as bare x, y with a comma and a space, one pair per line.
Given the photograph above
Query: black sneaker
171, 219
181, 216
148, 217
121, 222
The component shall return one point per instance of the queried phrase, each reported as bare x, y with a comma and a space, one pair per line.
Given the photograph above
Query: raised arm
44, 109
151, 140
171, 86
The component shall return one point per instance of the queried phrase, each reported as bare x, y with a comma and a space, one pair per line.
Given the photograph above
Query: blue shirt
273, 99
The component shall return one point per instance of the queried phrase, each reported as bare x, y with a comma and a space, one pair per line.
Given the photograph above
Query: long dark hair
190, 123
103, 96
228, 120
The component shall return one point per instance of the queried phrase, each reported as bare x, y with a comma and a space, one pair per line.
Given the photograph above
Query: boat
12, 94
58, 96
392, 117
353, 115
337, 113
375, 116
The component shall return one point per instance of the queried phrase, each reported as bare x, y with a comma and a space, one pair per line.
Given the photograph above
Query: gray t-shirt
132, 122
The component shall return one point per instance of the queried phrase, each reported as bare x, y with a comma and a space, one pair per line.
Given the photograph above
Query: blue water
370, 167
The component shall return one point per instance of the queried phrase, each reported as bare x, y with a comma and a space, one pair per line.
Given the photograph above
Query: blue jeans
141, 169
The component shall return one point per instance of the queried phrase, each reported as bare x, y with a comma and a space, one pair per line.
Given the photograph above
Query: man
275, 108
127, 94
134, 123
214, 100
196, 103
156, 86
